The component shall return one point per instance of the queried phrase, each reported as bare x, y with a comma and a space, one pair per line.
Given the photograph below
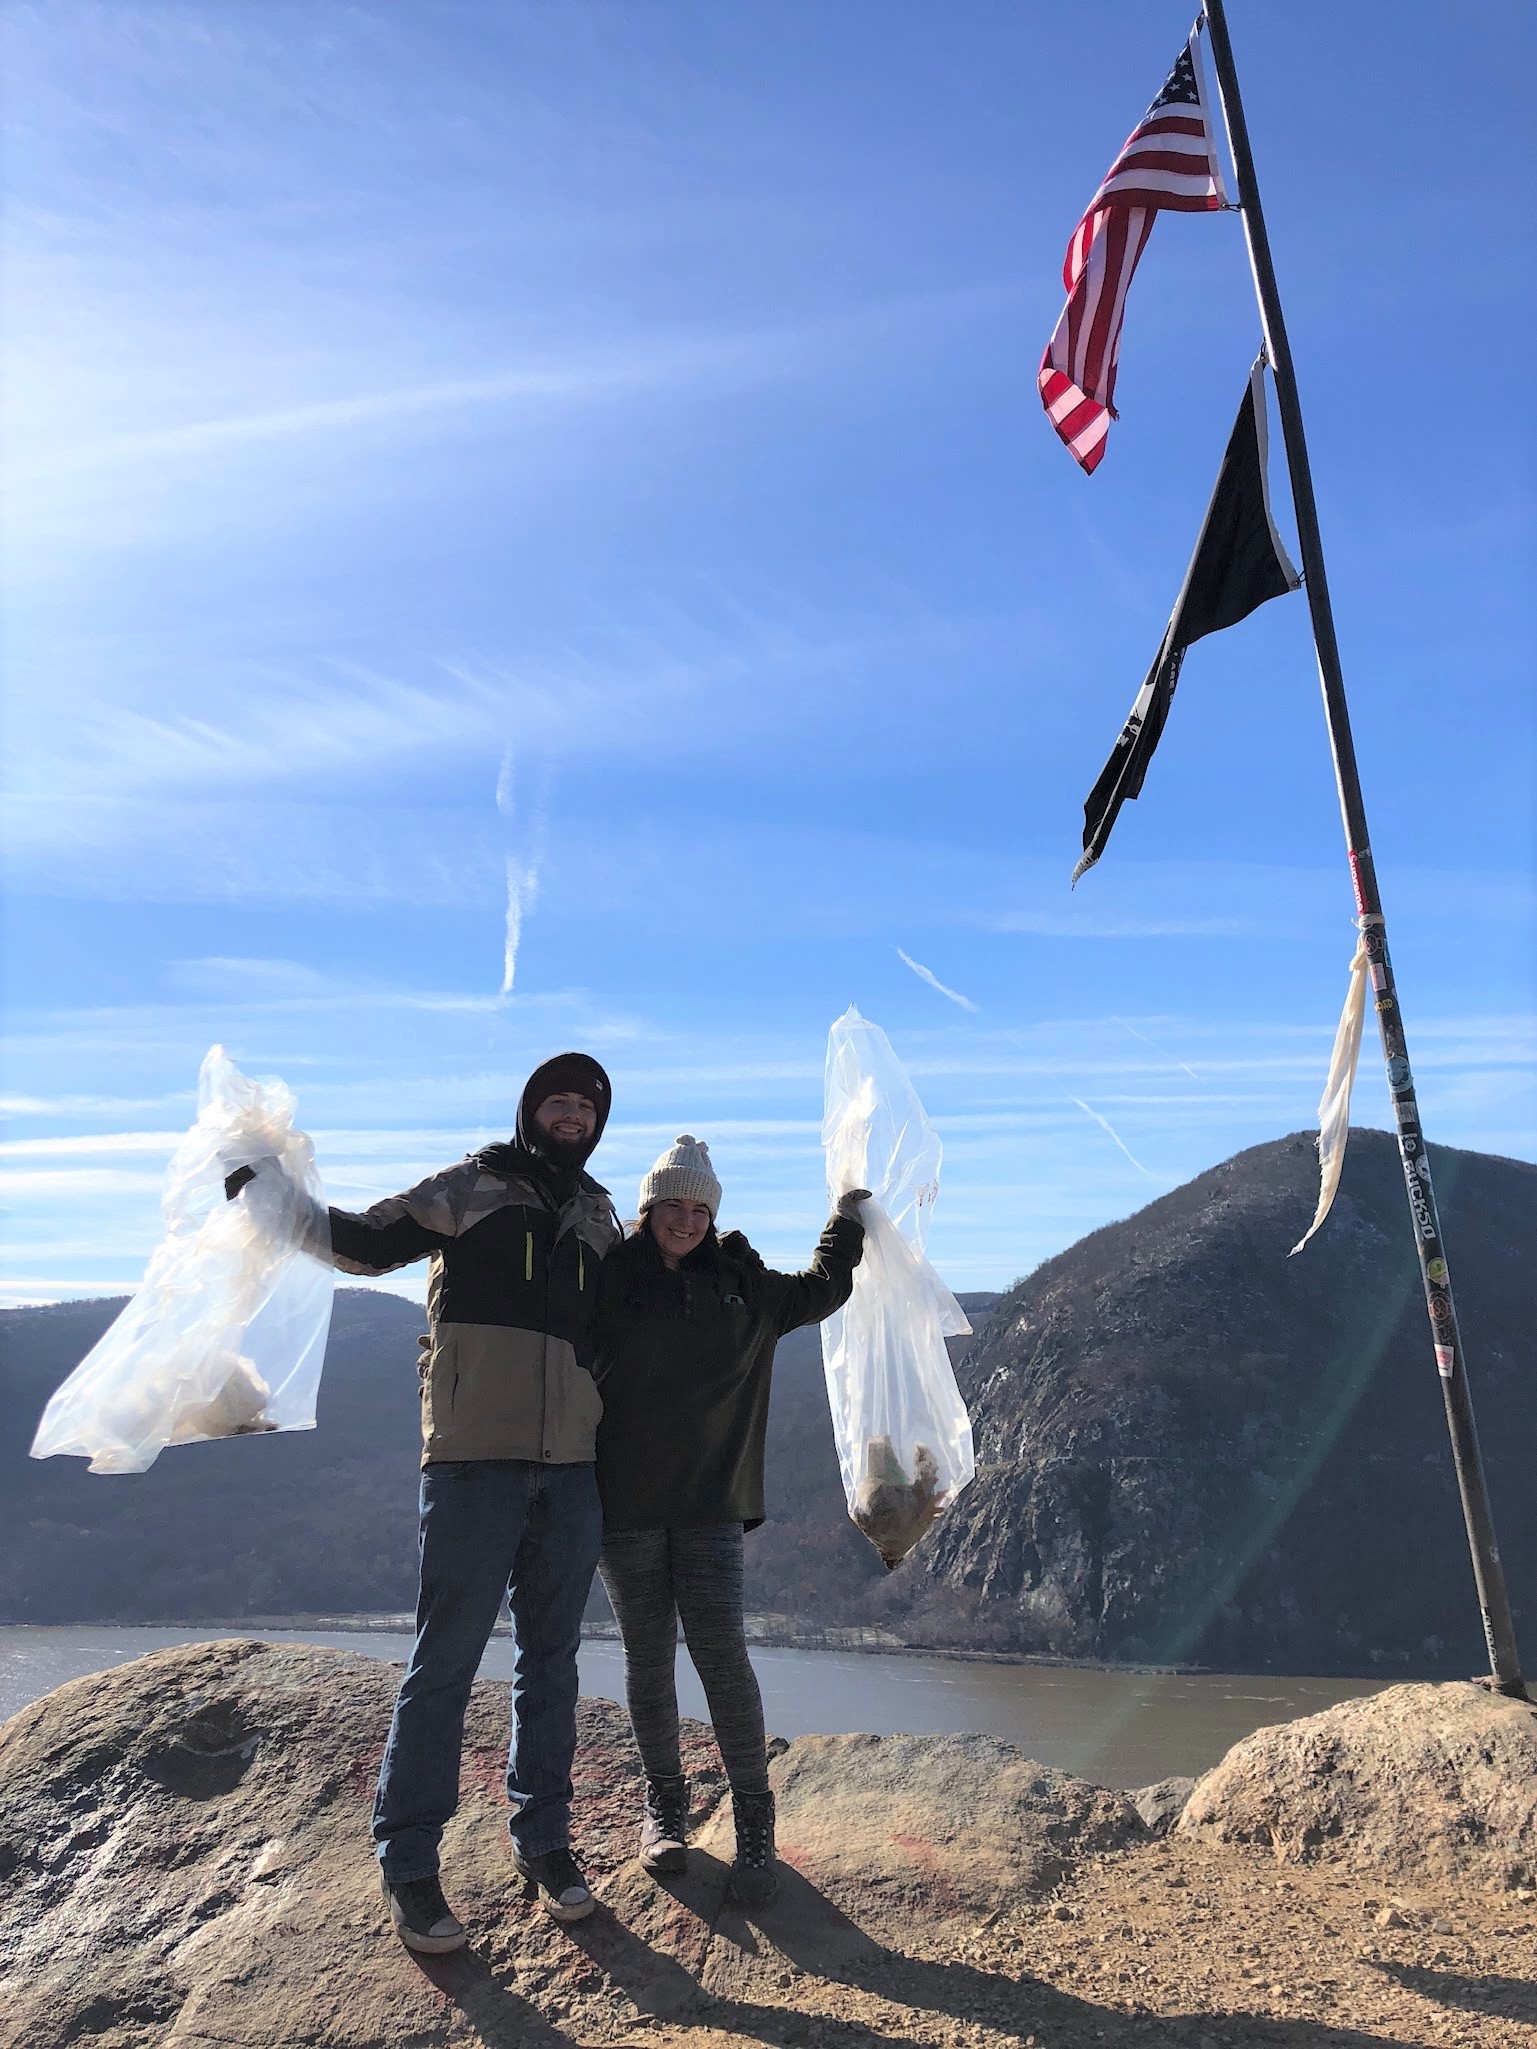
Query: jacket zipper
544, 1343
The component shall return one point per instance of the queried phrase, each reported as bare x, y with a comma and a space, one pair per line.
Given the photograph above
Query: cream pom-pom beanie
682, 1174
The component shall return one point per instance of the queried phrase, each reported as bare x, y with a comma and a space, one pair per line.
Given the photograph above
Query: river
1117, 1727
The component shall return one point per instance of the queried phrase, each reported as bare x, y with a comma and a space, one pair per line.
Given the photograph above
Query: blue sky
594, 450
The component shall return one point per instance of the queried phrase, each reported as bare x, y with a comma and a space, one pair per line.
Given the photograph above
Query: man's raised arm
401, 1228
392, 1233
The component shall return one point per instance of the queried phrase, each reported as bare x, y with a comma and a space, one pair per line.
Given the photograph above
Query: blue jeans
489, 1526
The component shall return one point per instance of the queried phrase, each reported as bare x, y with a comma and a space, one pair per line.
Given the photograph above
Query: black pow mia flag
1238, 563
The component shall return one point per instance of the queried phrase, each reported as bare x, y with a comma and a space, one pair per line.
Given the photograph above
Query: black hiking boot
555, 1879
664, 1826
751, 1881
423, 1918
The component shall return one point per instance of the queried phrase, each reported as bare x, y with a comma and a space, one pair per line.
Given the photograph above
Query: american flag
1169, 163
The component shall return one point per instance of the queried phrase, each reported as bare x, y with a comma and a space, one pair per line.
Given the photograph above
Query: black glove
233, 1183
849, 1201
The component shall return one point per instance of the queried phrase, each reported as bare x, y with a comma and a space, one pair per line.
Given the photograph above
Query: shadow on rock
1509, 1999
501, 2017
660, 1966
808, 1931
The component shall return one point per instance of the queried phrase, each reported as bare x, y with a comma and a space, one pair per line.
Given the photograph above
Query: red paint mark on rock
483, 1771
921, 1852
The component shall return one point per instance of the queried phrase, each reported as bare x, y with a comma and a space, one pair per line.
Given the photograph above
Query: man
509, 1499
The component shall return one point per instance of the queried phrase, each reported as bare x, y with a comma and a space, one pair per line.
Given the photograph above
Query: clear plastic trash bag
228, 1332
903, 1434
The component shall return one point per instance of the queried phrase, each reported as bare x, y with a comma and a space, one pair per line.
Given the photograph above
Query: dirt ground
1174, 1945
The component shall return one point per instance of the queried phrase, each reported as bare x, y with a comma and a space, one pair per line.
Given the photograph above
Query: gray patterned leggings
654, 1578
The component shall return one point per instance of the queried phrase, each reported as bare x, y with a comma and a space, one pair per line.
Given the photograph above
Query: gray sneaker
556, 1881
423, 1918
664, 1826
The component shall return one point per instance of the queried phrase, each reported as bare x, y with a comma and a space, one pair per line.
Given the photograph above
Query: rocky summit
1192, 1447
185, 1863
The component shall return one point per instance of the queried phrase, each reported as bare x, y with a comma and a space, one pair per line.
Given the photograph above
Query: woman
685, 1335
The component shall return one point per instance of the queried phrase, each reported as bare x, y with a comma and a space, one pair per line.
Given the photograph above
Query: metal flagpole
1493, 1601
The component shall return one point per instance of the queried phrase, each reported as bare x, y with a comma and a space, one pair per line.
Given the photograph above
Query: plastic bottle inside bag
902, 1431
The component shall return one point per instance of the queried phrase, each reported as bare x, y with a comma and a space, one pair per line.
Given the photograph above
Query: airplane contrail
522, 873
1105, 1125
928, 975
1160, 1049
522, 888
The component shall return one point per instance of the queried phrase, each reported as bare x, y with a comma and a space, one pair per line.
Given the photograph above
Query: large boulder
1418, 1783
185, 1859
939, 1827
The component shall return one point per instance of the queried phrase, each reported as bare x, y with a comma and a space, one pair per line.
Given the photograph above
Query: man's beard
568, 1154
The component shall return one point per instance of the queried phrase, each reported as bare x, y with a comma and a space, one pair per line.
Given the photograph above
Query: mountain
319, 1521
1191, 1447
324, 1521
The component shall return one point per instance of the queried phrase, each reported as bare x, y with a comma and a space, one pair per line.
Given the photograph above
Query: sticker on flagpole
1355, 877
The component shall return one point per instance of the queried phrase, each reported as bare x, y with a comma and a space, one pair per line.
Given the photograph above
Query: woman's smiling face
678, 1227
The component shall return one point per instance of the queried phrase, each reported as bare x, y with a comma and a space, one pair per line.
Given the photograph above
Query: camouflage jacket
512, 1290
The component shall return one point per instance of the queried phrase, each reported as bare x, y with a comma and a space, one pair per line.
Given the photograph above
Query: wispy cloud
37, 1290
76, 1181
928, 975
118, 778
1102, 925
89, 1145
270, 987
682, 361
100, 1106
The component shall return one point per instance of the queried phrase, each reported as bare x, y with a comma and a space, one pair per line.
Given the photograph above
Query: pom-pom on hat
682, 1174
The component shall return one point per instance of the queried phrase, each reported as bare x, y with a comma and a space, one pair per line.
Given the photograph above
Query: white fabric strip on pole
1334, 1107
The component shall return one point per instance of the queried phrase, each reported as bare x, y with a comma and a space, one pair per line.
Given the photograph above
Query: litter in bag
228, 1332
903, 1434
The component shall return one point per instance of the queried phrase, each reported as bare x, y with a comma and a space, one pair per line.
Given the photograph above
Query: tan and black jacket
510, 1300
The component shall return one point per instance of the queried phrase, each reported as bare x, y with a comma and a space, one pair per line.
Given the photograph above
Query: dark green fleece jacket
683, 1361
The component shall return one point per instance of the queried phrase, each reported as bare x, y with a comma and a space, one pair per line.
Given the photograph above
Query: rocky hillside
319, 1521
1193, 1447
185, 1856
324, 1522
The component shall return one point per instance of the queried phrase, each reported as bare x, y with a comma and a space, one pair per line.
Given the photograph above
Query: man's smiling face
566, 1123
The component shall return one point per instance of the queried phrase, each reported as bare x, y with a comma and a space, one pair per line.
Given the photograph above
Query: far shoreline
866, 1642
